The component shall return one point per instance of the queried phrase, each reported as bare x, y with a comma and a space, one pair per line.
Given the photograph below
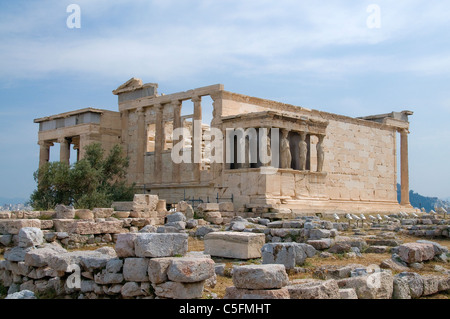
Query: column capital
176, 103
62, 140
140, 110
404, 131
45, 143
196, 98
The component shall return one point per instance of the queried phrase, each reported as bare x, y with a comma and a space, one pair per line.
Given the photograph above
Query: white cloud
255, 37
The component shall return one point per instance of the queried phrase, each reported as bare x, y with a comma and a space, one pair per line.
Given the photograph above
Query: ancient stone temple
78, 128
263, 154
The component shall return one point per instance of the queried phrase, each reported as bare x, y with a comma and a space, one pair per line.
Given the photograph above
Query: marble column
196, 155
265, 144
64, 152
404, 170
142, 144
159, 143
124, 136
176, 124
44, 152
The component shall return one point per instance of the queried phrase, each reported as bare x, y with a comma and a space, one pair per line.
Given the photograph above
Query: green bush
95, 181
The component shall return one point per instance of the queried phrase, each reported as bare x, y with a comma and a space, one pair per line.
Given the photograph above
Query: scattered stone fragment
319, 289
270, 276
237, 293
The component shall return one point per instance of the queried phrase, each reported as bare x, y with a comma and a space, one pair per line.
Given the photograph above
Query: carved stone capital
196, 99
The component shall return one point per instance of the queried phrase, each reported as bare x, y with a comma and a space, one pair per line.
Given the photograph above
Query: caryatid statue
320, 153
268, 156
285, 151
303, 149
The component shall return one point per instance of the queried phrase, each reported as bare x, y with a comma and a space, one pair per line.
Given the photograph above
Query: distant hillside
420, 201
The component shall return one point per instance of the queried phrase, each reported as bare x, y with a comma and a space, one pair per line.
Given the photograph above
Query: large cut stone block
234, 245
96, 260
379, 285
64, 212
157, 269
270, 276
38, 257
122, 206
125, 245
91, 259
320, 289
160, 244
287, 254
416, 252
88, 227
17, 253
236, 293
13, 226
226, 207
106, 227
30, 237
208, 207
413, 282
145, 202
135, 269
179, 290
430, 284
190, 269
103, 212
84, 214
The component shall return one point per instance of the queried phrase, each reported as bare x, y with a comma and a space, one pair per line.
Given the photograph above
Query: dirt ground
312, 263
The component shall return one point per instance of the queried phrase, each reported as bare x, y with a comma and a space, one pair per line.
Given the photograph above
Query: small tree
94, 181
53, 186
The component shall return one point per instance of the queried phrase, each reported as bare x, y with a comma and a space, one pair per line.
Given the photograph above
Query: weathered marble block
234, 245
160, 244
13, 226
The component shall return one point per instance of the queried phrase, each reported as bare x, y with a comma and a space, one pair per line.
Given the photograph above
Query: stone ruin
142, 265
150, 258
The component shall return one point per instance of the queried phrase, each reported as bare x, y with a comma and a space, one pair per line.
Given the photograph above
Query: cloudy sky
338, 56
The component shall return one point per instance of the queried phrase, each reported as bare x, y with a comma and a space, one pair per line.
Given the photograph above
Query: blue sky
321, 56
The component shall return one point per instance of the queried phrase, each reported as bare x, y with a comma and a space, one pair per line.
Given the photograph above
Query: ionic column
44, 152
176, 124
141, 144
196, 153
64, 153
159, 143
246, 148
124, 135
265, 151
404, 171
